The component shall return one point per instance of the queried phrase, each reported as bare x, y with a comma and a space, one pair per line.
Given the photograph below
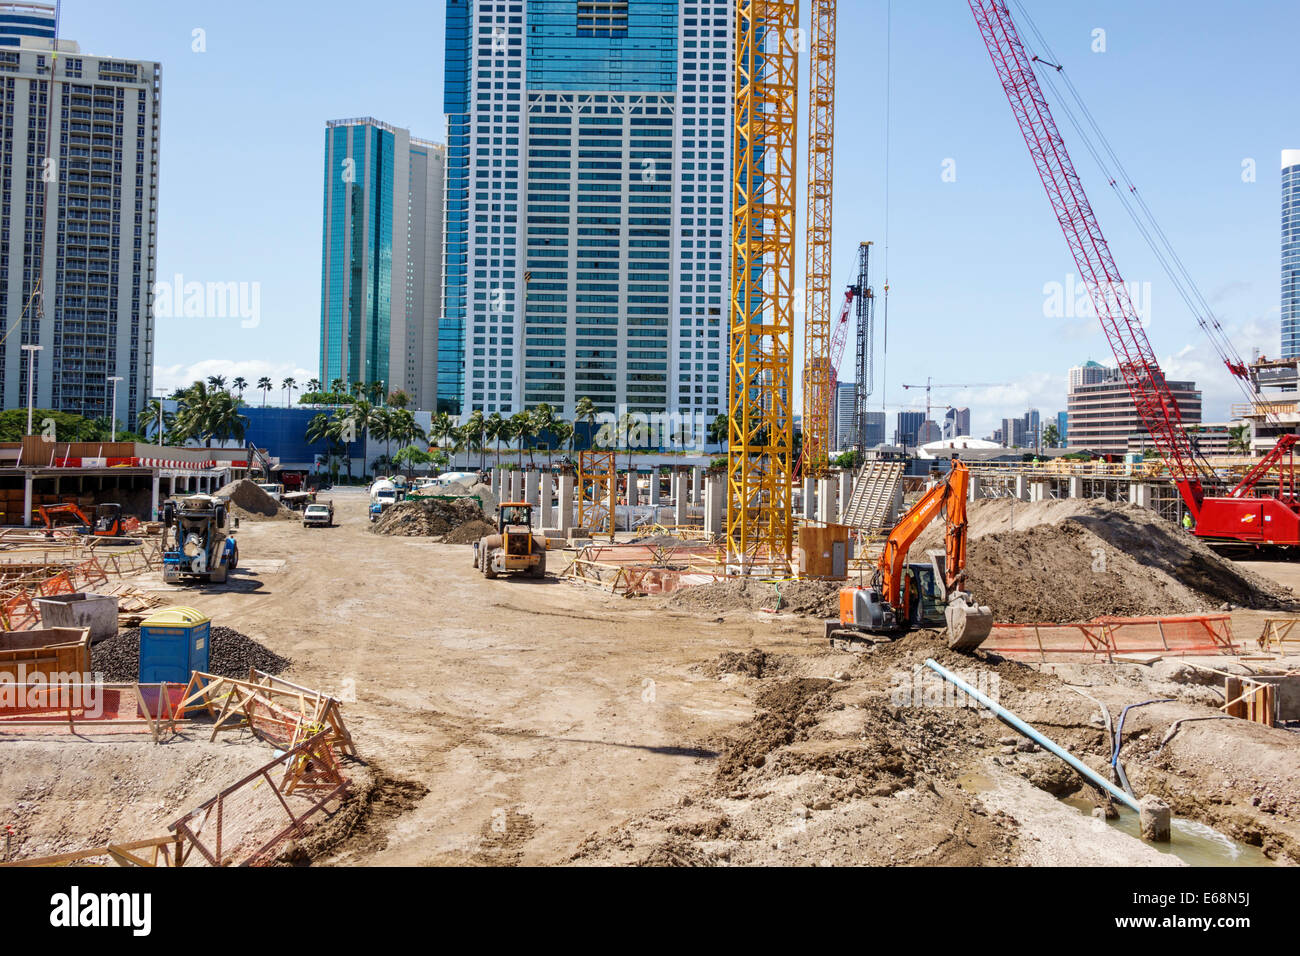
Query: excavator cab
905, 595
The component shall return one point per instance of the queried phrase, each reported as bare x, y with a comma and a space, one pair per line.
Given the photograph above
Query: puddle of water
1194, 843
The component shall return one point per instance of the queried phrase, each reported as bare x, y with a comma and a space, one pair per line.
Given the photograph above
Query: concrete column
975, 488
545, 493
809, 499
1022, 487
826, 501
27, 501
1140, 495
633, 492
846, 493
1037, 491
697, 485
681, 482
532, 489
1155, 819
1076, 487
154, 512
564, 516
516, 486
656, 492
715, 504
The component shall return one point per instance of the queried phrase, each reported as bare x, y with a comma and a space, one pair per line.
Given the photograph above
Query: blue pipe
1018, 724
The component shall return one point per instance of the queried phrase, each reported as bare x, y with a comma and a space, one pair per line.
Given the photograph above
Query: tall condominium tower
79, 140
588, 205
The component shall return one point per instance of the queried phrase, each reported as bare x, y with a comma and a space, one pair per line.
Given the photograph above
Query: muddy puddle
1194, 843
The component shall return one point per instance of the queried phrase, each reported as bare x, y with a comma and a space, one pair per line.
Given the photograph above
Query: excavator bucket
968, 624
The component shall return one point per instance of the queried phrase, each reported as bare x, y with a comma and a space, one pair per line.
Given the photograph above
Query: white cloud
171, 377
1044, 391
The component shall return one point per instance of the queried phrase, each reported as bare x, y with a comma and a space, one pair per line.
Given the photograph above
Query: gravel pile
230, 654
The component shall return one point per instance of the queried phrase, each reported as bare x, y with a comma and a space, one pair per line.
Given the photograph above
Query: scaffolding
597, 492
760, 530
820, 374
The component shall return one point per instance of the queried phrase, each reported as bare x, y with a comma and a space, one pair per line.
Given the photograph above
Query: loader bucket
968, 624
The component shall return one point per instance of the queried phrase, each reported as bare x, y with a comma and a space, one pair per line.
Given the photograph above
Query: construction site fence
1109, 637
92, 708
82, 570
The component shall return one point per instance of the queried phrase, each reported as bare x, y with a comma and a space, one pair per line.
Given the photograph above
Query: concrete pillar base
1155, 817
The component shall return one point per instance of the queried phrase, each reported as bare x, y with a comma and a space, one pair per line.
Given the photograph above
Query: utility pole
31, 351
112, 410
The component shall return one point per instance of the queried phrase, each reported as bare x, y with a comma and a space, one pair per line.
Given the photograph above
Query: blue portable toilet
173, 643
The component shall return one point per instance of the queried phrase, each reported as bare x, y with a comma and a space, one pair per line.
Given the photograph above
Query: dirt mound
1068, 561
472, 489
251, 503
820, 599
230, 654
453, 522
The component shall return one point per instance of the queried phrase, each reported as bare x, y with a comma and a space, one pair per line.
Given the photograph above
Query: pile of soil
230, 654
452, 522
250, 503
1070, 561
820, 599
473, 489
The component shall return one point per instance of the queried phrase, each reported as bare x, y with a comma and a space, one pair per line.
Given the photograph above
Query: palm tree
440, 428
497, 429
208, 415
376, 392
475, 430
585, 411
545, 420
1051, 435
239, 384
216, 382
154, 415
523, 427
264, 385
1239, 439
290, 386
358, 389
564, 432
338, 386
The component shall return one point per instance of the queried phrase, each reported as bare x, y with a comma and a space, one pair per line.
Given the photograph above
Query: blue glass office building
1291, 253
588, 207
26, 20
381, 244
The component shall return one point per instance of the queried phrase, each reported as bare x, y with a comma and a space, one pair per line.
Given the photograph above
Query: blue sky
1185, 91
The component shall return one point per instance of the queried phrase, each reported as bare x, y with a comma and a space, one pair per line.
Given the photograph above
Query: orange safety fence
90, 708
1107, 637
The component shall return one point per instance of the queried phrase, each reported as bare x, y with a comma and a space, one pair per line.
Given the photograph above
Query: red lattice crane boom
1274, 519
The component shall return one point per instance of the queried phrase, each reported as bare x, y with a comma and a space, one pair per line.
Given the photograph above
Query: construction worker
1188, 523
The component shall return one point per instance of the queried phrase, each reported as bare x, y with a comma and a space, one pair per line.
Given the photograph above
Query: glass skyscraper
381, 258
1291, 253
588, 205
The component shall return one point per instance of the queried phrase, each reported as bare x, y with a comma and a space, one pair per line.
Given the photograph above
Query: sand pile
1068, 561
820, 599
451, 522
251, 503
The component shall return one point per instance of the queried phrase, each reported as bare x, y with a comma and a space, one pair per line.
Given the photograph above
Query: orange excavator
108, 522
904, 595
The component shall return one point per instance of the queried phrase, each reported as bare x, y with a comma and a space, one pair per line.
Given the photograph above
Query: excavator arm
948, 497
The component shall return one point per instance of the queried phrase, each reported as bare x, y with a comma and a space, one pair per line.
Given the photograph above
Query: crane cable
1143, 217
889, 95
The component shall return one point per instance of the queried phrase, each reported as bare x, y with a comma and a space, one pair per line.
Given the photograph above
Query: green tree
239, 384
155, 419
410, 457
216, 382
290, 386
399, 399
1239, 437
264, 385
523, 427
585, 412
545, 420
497, 429
475, 432
1051, 435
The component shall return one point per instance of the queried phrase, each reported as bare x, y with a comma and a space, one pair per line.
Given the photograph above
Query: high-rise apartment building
589, 204
381, 271
1291, 253
1089, 373
843, 426
909, 428
78, 220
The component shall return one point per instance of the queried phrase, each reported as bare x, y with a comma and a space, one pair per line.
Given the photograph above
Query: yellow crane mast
819, 368
760, 528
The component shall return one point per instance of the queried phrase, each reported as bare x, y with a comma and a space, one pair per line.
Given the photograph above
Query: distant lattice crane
865, 382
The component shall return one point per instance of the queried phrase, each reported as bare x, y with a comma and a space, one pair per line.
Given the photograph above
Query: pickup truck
318, 515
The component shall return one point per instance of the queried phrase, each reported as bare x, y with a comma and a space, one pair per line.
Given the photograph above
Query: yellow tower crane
820, 373
760, 516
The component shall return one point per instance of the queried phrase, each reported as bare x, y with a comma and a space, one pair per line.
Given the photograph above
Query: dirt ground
526, 722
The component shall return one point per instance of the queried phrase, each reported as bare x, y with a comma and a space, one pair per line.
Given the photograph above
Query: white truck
318, 515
